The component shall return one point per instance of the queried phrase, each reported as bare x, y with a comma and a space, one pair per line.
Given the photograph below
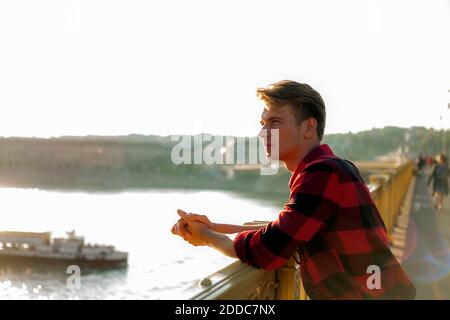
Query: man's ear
311, 125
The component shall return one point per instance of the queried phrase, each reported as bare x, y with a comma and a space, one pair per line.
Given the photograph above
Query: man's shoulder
343, 168
323, 172
325, 163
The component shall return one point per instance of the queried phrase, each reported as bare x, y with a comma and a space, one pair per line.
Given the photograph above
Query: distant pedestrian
429, 160
420, 164
439, 177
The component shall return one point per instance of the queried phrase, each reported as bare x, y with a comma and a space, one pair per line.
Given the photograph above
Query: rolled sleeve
241, 246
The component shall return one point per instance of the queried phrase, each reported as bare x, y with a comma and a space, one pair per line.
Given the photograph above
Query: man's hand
196, 217
198, 234
192, 231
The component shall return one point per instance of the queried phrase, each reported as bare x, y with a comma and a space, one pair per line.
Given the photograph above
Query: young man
330, 218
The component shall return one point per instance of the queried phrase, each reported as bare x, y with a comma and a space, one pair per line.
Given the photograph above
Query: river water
160, 264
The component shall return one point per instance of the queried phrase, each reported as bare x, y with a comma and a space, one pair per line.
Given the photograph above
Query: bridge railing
241, 281
388, 189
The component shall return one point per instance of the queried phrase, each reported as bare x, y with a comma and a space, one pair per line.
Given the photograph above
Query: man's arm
221, 227
221, 243
232, 228
313, 201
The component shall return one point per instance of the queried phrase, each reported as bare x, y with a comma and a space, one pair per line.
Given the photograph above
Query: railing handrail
218, 284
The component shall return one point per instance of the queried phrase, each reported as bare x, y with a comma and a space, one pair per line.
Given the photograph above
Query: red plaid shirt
332, 221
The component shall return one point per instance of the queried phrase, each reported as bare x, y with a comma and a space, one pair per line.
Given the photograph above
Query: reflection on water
39, 282
138, 222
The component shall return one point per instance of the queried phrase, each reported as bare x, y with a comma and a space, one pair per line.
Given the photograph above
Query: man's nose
264, 133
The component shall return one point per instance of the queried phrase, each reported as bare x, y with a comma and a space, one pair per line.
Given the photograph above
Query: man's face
290, 132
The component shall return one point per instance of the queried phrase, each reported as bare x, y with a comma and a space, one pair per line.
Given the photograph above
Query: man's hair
305, 101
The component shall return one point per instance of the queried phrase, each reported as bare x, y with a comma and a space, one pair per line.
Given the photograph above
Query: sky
184, 67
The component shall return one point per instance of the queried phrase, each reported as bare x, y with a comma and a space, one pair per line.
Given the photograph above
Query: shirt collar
319, 151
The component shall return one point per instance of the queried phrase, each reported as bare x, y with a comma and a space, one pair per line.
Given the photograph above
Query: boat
40, 247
